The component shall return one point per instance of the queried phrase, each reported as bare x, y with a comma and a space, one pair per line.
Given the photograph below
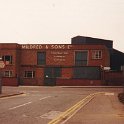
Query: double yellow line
68, 113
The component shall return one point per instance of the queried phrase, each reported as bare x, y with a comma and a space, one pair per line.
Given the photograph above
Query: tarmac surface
61, 105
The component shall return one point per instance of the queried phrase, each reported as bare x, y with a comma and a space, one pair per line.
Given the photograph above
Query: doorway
50, 75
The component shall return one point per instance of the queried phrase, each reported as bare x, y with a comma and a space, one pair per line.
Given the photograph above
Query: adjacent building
83, 62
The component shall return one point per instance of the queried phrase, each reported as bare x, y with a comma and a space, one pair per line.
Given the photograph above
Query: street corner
5, 95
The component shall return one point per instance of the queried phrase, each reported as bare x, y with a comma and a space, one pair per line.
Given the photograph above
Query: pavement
10, 91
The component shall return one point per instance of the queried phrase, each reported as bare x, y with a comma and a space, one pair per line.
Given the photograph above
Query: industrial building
86, 61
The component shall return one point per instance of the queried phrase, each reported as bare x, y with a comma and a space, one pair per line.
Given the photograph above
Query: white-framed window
8, 73
96, 54
7, 59
29, 74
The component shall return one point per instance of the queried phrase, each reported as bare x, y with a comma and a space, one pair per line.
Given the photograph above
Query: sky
57, 21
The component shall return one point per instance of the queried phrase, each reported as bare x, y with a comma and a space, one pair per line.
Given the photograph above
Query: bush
121, 97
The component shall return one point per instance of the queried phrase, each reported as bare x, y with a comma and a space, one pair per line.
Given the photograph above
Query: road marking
44, 97
109, 94
65, 116
20, 105
27, 103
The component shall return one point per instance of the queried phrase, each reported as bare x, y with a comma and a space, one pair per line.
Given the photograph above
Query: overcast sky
57, 21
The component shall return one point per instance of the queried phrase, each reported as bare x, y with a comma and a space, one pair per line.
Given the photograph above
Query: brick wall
114, 78
10, 81
78, 82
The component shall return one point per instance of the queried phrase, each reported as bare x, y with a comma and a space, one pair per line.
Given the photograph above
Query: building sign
38, 46
59, 55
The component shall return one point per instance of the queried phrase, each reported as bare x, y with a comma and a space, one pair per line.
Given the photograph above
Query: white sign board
107, 68
2, 64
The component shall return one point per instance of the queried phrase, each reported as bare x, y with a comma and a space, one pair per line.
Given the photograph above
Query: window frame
42, 60
10, 73
8, 62
97, 54
83, 60
27, 73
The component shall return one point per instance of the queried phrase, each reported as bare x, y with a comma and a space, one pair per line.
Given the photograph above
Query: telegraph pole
2, 65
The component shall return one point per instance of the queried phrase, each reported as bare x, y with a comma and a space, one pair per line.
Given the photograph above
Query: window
87, 72
41, 58
81, 58
7, 59
96, 54
8, 74
29, 74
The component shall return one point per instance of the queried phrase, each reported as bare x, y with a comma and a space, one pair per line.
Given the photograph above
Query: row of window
80, 57
78, 72
27, 74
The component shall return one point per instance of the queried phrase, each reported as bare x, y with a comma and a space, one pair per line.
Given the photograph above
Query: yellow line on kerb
71, 110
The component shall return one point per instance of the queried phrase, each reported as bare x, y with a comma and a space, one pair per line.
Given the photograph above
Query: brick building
80, 63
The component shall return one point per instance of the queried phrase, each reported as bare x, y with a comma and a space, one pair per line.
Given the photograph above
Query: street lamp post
2, 65
0, 79
0, 83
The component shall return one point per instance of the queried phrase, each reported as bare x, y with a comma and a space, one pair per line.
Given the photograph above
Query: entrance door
50, 75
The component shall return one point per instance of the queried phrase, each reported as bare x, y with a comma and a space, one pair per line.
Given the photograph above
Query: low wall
11, 81
78, 82
31, 81
114, 78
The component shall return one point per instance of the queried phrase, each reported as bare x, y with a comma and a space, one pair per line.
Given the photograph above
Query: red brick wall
39, 76
10, 81
60, 57
78, 82
105, 61
114, 78
33, 81
67, 72
11, 67
65, 57
28, 57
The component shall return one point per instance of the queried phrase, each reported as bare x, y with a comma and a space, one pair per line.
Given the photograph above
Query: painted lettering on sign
59, 53
58, 46
59, 56
38, 46
32, 46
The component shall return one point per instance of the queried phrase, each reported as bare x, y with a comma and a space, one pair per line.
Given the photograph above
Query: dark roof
90, 40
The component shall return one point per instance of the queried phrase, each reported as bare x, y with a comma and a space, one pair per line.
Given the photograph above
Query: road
41, 105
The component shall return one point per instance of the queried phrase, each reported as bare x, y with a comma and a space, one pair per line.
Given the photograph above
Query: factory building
81, 63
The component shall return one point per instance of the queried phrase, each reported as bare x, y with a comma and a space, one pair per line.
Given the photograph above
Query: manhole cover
51, 114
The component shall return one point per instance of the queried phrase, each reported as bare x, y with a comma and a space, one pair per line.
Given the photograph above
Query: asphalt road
41, 105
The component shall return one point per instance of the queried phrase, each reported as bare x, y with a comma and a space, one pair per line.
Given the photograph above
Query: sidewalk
10, 91
101, 110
